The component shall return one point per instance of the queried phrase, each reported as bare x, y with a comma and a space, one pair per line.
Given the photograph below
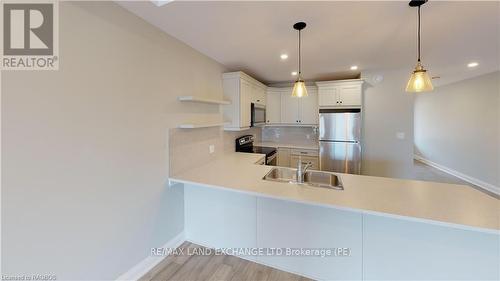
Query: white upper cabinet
258, 94
341, 93
246, 95
273, 106
308, 107
282, 108
327, 96
290, 113
241, 90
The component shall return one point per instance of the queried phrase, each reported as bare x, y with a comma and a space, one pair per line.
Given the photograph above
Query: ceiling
250, 36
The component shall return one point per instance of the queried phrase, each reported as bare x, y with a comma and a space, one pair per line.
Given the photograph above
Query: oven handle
271, 158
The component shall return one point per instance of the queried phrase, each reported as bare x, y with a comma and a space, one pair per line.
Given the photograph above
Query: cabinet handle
340, 101
337, 101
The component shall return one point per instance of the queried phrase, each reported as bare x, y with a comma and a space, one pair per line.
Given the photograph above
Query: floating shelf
202, 100
199, 125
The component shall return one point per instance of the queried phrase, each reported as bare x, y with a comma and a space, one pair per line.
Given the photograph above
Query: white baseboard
469, 179
150, 262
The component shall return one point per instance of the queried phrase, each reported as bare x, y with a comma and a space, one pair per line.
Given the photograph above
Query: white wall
85, 148
387, 110
457, 126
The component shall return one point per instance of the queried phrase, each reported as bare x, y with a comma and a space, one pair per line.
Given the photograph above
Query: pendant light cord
300, 58
418, 32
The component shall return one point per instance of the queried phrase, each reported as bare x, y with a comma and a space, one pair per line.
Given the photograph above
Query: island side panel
395, 249
284, 224
219, 219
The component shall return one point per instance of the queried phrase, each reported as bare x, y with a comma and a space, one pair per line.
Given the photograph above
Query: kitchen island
394, 229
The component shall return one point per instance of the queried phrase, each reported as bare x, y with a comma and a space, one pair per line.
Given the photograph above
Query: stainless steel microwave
258, 114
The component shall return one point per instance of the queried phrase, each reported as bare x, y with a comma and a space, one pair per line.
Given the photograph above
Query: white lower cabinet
283, 157
288, 157
313, 160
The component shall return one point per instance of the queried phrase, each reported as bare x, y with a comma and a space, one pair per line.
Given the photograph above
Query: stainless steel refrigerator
340, 140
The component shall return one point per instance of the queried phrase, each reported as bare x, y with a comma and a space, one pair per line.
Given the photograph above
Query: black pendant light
419, 79
299, 88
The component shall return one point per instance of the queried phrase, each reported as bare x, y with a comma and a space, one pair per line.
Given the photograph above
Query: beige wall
457, 126
387, 111
85, 149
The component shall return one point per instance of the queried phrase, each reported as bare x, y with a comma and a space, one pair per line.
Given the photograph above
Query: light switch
400, 135
211, 148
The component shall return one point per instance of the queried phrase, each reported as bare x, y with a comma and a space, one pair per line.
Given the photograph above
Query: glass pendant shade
419, 81
299, 89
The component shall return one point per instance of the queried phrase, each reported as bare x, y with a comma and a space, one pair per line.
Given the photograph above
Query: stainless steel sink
311, 178
323, 179
282, 175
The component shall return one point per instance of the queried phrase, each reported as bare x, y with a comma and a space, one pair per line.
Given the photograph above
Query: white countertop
449, 204
290, 145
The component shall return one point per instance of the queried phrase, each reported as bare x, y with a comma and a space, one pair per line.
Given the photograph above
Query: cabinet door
245, 101
309, 111
349, 95
327, 96
258, 95
273, 107
294, 160
289, 108
261, 95
283, 157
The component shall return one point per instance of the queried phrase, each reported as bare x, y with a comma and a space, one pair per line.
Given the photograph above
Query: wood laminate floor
185, 267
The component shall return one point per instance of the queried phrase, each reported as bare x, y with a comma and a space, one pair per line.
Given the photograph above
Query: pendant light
299, 88
419, 79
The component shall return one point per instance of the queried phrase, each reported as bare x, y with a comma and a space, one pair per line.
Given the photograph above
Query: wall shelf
199, 125
202, 100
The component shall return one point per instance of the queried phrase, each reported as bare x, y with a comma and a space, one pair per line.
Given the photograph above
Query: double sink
311, 178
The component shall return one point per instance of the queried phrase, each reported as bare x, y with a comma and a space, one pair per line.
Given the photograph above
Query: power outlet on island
211, 148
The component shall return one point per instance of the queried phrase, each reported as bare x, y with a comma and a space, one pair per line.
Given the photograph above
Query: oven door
272, 160
258, 114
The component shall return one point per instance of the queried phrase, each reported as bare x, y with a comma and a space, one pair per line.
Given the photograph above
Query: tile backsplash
189, 148
229, 137
292, 135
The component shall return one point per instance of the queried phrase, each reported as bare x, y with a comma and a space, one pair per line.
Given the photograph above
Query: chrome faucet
302, 170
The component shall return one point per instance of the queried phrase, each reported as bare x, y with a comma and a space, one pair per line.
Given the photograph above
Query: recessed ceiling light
354, 67
472, 64
294, 73
284, 56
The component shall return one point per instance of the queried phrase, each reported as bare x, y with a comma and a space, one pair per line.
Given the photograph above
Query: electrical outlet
400, 135
211, 148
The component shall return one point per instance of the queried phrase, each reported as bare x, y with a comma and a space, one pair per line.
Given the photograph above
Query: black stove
245, 144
